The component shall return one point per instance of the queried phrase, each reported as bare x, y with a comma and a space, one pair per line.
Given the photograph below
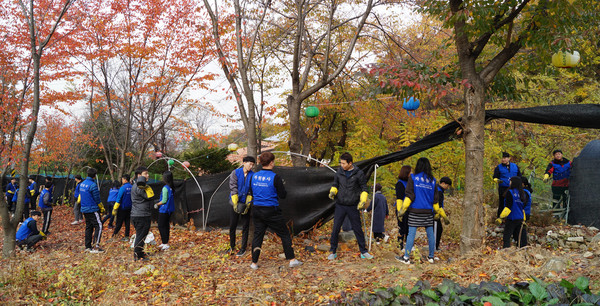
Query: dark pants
11, 205
122, 217
26, 211
559, 197
402, 228
142, 227
109, 215
244, 221
378, 236
270, 217
47, 213
501, 191
93, 229
32, 203
164, 228
346, 225
437, 225
516, 229
342, 211
30, 241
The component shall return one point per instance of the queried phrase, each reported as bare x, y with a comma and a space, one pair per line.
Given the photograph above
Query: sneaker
332, 256
80, 221
295, 262
403, 259
386, 238
161, 246
165, 247
125, 239
88, 250
97, 251
436, 258
241, 253
74, 222
430, 260
366, 255
254, 266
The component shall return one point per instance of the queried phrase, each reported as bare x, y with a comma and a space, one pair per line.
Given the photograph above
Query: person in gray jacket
141, 211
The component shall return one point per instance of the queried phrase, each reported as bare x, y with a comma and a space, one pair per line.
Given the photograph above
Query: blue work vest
41, 200
516, 211
263, 189
112, 195
168, 207
561, 171
424, 189
404, 184
243, 183
507, 173
528, 204
24, 231
124, 197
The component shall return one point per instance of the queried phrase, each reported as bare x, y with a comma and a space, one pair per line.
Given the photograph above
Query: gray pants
77, 211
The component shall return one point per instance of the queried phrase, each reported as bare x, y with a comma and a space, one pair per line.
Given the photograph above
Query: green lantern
171, 162
312, 111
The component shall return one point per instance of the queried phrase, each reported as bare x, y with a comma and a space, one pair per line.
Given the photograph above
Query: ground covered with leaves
196, 270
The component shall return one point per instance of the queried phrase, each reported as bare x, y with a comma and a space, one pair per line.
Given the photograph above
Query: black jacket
349, 188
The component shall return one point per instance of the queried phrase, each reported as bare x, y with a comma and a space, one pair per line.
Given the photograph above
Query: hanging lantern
186, 164
232, 147
311, 111
411, 105
171, 162
565, 59
159, 154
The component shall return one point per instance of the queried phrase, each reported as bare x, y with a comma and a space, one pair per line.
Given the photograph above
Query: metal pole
373, 206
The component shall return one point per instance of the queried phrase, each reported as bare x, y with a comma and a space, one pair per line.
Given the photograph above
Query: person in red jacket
560, 170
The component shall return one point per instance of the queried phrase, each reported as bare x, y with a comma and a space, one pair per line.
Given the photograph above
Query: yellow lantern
565, 59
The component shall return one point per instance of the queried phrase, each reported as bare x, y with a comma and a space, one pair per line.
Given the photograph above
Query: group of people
128, 201
514, 194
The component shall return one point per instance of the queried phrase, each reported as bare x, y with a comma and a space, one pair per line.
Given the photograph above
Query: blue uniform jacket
90, 196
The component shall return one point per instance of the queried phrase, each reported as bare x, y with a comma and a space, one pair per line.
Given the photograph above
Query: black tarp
307, 204
584, 187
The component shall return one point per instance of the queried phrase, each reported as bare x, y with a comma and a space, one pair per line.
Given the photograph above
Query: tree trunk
299, 142
473, 122
8, 247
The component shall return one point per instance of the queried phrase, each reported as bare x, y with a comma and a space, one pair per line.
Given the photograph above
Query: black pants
378, 236
516, 229
30, 241
437, 225
26, 211
109, 215
93, 229
270, 217
142, 227
244, 221
164, 227
402, 228
10, 204
32, 203
47, 213
501, 191
559, 196
342, 211
123, 216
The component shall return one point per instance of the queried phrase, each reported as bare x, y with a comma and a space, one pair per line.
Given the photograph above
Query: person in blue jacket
445, 183
266, 189
28, 234
76, 203
26, 202
560, 170
514, 212
380, 213
122, 207
400, 194
11, 189
422, 201
92, 208
166, 206
45, 204
33, 193
502, 174
239, 184
110, 202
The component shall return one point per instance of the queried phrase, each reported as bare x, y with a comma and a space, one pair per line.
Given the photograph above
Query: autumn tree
140, 59
36, 29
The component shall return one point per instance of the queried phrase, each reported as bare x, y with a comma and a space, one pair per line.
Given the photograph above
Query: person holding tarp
239, 185
514, 212
400, 194
349, 189
266, 189
502, 174
422, 201
560, 170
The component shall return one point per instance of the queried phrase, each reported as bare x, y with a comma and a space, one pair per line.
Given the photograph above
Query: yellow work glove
234, 200
149, 191
497, 180
546, 177
363, 200
398, 204
32, 192
499, 221
116, 208
248, 199
436, 217
101, 206
505, 212
333, 192
405, 206
442, 214
43, 234
79, 199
